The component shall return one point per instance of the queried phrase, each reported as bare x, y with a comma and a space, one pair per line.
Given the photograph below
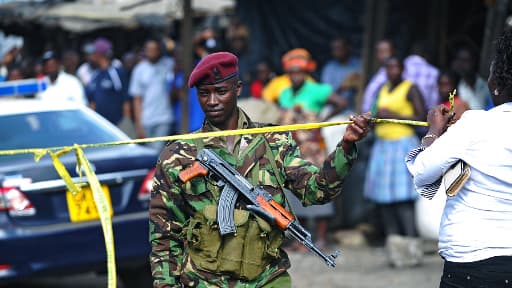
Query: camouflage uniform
173, 204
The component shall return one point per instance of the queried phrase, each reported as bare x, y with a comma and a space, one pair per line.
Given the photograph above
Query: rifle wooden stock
282, 218
193, 171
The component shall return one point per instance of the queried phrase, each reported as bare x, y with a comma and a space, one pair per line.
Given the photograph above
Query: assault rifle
210, 164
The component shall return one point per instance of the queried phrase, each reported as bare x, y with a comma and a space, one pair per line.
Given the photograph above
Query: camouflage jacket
173, 203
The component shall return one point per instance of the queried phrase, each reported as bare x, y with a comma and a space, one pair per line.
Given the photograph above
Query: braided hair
502, 64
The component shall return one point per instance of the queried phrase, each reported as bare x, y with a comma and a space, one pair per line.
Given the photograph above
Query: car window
53, 128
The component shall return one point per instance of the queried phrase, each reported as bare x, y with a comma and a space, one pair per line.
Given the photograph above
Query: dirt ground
363, 266
359, 266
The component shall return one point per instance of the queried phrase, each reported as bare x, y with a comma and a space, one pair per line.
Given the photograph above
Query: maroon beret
213, 69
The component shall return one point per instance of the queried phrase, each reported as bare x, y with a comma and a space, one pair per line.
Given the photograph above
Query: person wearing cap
273, 89
187, 248
86, 69
107, 91
310, 96
62, 86
151, 93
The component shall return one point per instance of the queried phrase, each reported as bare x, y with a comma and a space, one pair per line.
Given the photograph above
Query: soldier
187, 248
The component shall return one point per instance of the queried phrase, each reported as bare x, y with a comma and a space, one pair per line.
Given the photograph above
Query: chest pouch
244, 254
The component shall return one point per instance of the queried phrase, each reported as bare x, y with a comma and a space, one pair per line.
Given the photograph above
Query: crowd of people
157, 67
140, 92
188, 249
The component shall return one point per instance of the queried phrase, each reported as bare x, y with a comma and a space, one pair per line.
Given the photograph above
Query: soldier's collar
244, 122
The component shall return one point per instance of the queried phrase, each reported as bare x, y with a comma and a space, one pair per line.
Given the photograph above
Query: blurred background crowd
300, 61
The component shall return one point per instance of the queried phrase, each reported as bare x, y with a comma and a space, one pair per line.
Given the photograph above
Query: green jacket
173, 203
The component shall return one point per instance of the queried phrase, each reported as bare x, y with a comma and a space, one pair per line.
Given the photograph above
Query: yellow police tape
98, 195
40, 152
451, 99
99, 200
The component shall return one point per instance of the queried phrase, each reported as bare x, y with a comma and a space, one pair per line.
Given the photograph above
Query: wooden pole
366, 53
375, 20
187, 58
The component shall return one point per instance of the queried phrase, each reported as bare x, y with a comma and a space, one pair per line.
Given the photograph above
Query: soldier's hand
356, 130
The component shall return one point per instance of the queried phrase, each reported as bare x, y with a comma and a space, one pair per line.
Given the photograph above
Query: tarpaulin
278, 26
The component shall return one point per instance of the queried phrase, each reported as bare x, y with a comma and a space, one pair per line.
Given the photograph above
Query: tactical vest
244, 254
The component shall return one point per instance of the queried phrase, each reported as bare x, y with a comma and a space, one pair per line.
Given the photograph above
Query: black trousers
495, 272
398, 218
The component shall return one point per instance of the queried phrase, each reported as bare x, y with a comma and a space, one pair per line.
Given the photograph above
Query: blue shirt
108, 90
477, 221
150, 81
335, 72
195, 113
477, 97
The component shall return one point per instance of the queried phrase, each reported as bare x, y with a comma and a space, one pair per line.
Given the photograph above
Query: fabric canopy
87, 15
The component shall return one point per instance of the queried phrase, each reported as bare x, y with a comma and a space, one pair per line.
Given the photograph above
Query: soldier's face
218, 101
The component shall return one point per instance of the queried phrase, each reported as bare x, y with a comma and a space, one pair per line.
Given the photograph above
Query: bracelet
433, 136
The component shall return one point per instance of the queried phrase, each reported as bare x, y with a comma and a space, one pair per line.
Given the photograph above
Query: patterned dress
387, 178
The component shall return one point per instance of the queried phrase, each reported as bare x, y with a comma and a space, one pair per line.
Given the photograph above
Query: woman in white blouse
475, 235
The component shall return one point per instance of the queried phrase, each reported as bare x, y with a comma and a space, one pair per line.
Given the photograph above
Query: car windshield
53, 128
